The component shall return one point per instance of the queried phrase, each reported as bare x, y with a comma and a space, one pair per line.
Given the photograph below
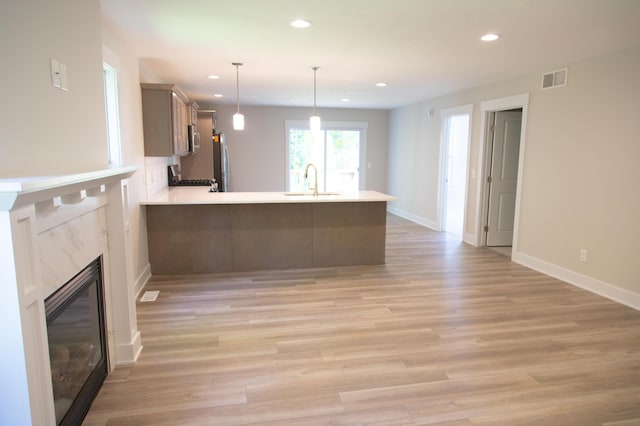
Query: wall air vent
554, 79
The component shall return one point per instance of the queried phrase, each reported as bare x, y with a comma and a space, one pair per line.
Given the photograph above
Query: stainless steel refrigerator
221, 162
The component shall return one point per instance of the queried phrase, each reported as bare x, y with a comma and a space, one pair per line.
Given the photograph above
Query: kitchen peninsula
191, 230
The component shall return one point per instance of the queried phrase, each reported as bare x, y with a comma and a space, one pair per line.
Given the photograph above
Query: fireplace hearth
77, 343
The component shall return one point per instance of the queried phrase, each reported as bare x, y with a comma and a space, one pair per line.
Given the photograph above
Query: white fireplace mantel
50, 228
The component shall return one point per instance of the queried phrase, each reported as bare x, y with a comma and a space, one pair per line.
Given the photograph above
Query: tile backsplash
156, 173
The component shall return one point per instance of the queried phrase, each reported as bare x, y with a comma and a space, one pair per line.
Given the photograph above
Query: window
111, 108
337, 151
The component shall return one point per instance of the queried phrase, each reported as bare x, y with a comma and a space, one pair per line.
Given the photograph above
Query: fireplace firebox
77, 343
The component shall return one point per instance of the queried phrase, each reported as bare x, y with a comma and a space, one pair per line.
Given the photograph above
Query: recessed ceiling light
490, 37
345, 99
381, 84
300, 23
213, 77
218, 95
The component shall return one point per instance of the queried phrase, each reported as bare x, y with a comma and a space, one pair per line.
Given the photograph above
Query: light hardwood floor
444, 333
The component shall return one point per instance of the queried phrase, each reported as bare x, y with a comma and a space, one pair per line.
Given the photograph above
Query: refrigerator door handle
225, 167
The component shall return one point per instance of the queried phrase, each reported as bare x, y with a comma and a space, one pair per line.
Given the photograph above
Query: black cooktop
175, 178
191, 182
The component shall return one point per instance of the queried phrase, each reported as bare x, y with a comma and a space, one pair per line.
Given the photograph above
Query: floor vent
554, 79
150, 296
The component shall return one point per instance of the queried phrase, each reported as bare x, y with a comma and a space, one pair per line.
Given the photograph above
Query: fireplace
52, 228
77, 343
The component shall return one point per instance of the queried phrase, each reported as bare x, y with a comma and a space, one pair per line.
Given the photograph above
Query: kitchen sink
309, 194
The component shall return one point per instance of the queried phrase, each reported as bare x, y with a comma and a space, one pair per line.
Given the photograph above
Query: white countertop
201, 195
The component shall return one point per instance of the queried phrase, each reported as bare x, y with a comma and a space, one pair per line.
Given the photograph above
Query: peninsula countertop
200, 195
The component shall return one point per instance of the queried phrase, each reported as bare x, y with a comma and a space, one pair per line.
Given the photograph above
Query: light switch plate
59, 75
63, 77
55, 73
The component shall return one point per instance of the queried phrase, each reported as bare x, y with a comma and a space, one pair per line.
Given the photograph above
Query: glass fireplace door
77, 346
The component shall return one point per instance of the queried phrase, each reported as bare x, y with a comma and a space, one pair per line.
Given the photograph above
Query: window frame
112, 111
360, 126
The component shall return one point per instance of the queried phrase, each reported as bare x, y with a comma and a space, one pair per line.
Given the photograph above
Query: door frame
499, 159
487, 111
445, 115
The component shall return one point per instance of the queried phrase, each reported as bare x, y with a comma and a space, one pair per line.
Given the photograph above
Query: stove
191, 182
175, 178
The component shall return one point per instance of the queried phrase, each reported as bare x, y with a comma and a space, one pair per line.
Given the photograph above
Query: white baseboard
593, 285
431, 224
142, 280
617, 294
471, 239
127, 354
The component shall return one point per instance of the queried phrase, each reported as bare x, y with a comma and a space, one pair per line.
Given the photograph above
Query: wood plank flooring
443, 334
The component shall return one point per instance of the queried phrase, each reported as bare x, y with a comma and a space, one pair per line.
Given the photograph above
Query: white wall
257, 154
45, 130
580, 173
581, 187
131, 134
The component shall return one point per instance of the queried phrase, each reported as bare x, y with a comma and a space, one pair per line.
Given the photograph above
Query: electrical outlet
583, 255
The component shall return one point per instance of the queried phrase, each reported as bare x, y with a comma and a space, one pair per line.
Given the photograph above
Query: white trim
112, 113
128, 353
601, 288
304, 124
470, 238
501, 104
433, 225
99, 227
593, 285
445, 115
142, 280
110, 57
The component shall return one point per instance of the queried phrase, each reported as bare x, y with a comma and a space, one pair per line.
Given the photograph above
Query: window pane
305, 147
112, 114
343, 159
335, 153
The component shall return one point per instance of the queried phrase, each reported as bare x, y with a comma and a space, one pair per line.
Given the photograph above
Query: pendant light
238, 119
314, 120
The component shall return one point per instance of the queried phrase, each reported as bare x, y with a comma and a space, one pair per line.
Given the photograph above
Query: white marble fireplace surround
50, 228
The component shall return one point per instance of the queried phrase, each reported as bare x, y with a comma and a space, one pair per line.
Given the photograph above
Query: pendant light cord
315, 69
237, 64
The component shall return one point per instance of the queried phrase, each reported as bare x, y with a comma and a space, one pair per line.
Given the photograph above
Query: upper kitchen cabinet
193, 113
165, 117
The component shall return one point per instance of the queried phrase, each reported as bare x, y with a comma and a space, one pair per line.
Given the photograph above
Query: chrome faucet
315, 173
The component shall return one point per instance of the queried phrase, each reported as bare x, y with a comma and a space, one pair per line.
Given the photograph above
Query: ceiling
421, 48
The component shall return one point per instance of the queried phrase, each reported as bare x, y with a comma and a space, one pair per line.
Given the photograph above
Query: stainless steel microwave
194, 139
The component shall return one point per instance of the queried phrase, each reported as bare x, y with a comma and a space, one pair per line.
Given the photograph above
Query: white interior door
503, 178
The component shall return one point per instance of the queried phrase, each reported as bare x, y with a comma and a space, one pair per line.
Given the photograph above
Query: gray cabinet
165, 117
193, 113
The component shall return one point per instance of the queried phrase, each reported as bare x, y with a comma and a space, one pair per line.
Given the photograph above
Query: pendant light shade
314, 123
314, 120
238, 119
